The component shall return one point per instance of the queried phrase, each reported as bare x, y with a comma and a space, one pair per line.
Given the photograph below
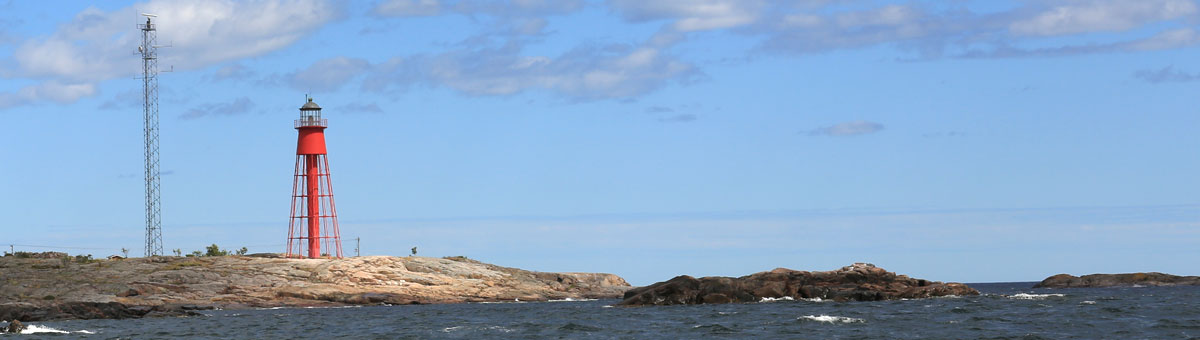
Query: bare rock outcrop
14, 326
858, 282
1117, 280
40, 289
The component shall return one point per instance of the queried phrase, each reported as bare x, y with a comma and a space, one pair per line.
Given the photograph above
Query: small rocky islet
1117, 280
857, 282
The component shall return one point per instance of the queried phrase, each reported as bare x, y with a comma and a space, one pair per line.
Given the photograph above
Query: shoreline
49, 289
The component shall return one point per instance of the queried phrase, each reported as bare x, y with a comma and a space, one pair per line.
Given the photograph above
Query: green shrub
214, 250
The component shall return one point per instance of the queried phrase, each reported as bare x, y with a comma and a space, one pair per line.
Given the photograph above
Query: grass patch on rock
183, 264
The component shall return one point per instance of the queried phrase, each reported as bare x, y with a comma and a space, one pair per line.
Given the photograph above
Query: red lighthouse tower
314, 217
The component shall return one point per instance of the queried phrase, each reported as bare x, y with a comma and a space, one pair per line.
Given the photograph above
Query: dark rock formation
14, 326
1117, 280
84, 310
859, 282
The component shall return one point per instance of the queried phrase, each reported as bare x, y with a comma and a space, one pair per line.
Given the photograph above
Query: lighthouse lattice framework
313, 230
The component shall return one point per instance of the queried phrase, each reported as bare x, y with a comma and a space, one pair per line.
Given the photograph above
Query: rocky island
858, 282
34, 289
1117, 280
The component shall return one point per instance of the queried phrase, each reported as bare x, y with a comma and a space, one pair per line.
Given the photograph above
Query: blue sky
952, 140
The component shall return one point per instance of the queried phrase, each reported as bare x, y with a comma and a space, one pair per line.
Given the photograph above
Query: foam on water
1024, 296
476, 328
771, 299
571, 300
830, 319
498, 328
789, 298
35, 329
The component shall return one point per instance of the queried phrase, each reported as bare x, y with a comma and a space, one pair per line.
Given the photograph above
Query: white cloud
795, 27
408, 8
358, 108
693, 15
516, 8
1176, 38
809, 33
328, 74
1101, 16
891, 15
47, 91
1165, 75
233, 72
511, 17
97, 45
584, 73
240, 105
1169, 39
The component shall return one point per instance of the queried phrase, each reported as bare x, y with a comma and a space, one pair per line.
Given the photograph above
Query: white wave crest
830, 319
570, 300
498, 328
35, 329
771, 299
1024, 296
1088, 302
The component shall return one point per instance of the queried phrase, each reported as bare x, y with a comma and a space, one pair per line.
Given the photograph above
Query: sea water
1004, 311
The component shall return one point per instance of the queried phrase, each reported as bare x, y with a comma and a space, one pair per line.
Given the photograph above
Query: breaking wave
35, 329
771, 299
831, 319
789, 298
571, 300
1024, 296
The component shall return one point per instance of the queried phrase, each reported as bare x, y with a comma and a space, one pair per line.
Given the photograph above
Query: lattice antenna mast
149, 52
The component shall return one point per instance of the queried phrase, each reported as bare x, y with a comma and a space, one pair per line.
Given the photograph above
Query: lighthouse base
313, 229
